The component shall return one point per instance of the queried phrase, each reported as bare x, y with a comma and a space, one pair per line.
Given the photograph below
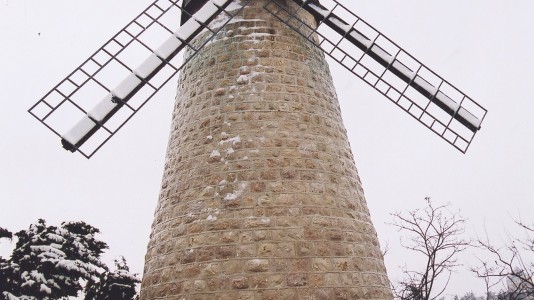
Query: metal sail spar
385, 66
92, 104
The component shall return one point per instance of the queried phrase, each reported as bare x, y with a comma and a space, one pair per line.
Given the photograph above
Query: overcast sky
484, 47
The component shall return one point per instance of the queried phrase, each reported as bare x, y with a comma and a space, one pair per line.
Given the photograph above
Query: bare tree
435, 234
488, 282
511, 265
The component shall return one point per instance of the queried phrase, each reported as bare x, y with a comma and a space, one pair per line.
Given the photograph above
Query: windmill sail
385, 66
91, 105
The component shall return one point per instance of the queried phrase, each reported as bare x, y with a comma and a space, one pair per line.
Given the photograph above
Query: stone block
240, 282
257, 265
298, 279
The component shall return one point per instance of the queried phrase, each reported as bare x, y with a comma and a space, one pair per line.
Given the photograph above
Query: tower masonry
260, 196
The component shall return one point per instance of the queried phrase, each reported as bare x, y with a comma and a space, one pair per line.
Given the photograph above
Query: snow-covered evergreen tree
114, 285
51, 262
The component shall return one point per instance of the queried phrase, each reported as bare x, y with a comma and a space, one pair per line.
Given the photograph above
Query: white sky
484, 47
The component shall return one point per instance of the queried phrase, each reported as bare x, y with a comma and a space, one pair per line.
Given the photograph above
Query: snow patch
222, 18
38, 276
340, 23
186, 30
56, 238
49, 249
234, 140
256, 261
361, 38
45, 289
81, 129
469, 117
126, 87
403, 69
103, 108
208, 10
230, 196
382, 54
215, 153
148, 66
10, 296
245, 78
432, 90
236, 193
68, 265
165, 51
447, 101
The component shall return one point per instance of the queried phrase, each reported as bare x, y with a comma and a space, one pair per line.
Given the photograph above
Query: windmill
260, 194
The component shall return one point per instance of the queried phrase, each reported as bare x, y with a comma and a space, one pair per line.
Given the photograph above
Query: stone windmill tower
260, 196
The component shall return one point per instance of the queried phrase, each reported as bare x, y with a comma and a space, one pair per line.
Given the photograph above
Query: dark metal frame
451, 126
89, 70
190, 8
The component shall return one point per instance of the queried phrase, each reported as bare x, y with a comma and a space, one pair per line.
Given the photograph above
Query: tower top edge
192, 6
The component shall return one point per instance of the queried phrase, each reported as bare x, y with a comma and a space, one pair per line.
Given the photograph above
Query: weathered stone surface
257, 265
260, 197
